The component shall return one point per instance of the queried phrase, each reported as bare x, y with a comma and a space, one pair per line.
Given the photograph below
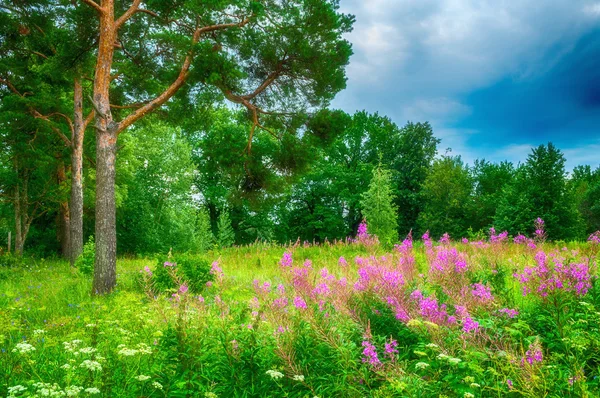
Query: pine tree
378, 207
204, 235
225, 233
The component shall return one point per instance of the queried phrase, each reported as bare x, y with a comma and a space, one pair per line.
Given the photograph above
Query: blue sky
493, 77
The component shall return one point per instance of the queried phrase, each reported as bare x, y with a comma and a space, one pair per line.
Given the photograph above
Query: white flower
92, 390
127, 352
475, 385
73, 391
91, 365
144, 348
16, 389
90, 325
421, 365
468, 395
299, 378
443, 356
23, 348
87, 350
157, 385
210, 395
66, 366
454, 361
142, 378
274, 374
432, 345
38, 332
72, 345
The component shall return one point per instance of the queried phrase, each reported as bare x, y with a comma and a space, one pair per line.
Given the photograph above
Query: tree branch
130, 11
95, 5
88, 119
102, 115
181, 78
11, 87
60, 134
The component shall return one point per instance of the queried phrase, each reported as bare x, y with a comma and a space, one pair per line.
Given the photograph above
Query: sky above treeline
493, 77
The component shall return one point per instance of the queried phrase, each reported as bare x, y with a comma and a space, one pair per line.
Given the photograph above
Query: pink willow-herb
543, 279
370, 354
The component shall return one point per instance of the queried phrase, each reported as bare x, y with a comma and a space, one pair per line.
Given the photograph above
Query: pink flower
183, 289
299, 303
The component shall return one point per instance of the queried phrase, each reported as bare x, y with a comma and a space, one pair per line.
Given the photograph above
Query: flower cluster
543, 279
370, 354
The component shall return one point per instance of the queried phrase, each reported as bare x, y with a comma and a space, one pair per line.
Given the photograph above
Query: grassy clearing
339, 320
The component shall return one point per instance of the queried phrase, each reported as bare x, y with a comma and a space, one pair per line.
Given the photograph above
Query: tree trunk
105, 267
18, 233
63, 214
76, 207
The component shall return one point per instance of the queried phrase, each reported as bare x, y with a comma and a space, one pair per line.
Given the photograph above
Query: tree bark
106, 141
18, 233
76, 207
63, 214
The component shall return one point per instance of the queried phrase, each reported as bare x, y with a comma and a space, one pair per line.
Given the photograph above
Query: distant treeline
187, 187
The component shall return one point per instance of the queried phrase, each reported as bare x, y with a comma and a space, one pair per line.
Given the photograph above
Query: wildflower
157, 385
509, 312
432, 345
169, 264
509, 383
183, 289
87, 350
299, 303
94, 366
299, 378
421, 365
92, 390
72, 391
482, 292
370, 354
469, 325
468, 395
286, 260
142, 378
38, 332
534, 353
390, 348
342, 262
66, 366
475, 385
216, 270
210, 395
454, 361
16, 389
23, 348
143, 348
127, 352
148, 270
274, 374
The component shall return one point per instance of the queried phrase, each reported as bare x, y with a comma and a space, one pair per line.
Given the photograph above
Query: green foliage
378, 208
447, 198
172, 270
155, 176
204, 236
85, 262
225, 232
539, 189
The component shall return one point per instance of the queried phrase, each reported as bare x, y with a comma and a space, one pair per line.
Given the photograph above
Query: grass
237, 339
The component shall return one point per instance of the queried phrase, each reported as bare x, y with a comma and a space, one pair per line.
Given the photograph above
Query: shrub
85, 262
193, 270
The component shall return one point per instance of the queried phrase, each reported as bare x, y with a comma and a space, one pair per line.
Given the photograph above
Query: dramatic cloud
490, 76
